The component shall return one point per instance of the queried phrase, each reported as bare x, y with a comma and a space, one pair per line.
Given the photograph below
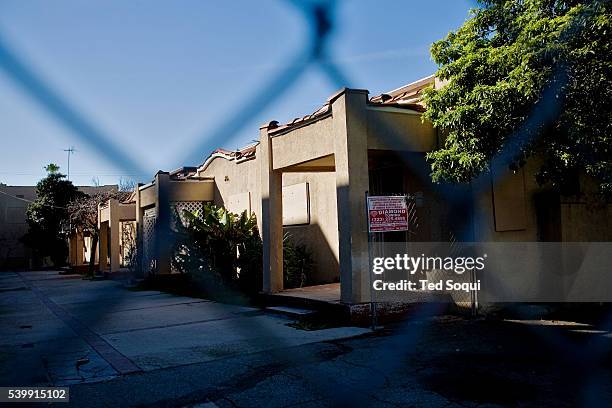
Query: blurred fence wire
320, 17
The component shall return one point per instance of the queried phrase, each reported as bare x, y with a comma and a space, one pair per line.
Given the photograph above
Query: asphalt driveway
61, 330
115, 347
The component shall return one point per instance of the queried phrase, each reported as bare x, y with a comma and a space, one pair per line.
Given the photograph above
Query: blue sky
158, 77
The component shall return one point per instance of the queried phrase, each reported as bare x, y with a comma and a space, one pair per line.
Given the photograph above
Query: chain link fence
314, 53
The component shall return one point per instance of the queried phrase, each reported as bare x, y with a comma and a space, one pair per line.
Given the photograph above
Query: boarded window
296, 208
509, 203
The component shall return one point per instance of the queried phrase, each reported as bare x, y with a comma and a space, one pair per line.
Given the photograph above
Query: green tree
499, 65
46, 215
52, 168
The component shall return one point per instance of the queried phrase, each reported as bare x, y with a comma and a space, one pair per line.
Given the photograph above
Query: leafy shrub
222, 252
297, 263
219, 249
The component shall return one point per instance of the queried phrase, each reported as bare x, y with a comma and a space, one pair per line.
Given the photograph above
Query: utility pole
70, 151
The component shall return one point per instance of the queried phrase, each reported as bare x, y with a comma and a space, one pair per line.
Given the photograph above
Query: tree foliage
52, 168
46, 215
499, 65
297, 263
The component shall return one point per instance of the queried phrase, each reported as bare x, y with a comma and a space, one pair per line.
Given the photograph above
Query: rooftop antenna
70, 151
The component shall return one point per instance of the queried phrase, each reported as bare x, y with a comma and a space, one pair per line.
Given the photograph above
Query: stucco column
352, 182
271, 215
80, 244
103, 245
114, 235
139, 232
163, 244
72, 249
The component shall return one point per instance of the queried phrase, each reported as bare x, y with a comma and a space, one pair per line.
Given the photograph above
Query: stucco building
309, 178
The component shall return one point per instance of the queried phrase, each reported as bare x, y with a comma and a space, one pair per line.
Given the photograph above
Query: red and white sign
387, 213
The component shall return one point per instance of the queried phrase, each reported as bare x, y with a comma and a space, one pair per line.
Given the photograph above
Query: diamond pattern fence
314, 52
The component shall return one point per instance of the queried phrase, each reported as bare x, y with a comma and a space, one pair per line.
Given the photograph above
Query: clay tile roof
319, 113
245, 153
408, 96
240, 154
183, 173
130, 198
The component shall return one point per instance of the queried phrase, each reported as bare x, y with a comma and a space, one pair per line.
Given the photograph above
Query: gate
149, 220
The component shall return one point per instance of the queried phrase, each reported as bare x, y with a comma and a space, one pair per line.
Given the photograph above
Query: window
296, 205
509, 202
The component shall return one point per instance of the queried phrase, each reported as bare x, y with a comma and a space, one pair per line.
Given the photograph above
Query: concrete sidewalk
61, 330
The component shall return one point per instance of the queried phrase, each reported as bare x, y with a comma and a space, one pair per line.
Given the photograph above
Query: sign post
384, 214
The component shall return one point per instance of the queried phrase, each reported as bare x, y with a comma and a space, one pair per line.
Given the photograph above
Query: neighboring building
14, 201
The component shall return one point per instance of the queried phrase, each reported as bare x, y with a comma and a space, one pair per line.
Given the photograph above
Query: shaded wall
13, 225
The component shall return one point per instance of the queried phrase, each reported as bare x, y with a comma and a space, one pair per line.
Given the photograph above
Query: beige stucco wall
399, 129
233, 179
148, 195
583, 222
187, 190
485, 206
585, 218
302, 144
579, 219
127, 212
